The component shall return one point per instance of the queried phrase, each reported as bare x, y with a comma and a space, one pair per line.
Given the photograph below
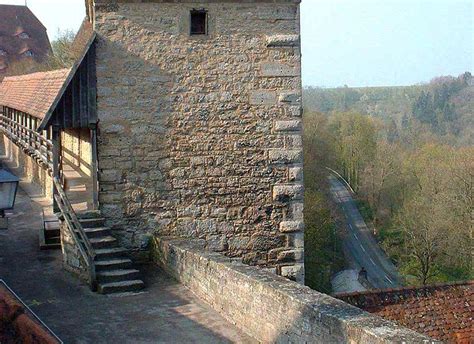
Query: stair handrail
76, 230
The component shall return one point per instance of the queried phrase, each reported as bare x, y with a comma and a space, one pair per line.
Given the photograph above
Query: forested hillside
408, 152
445, 105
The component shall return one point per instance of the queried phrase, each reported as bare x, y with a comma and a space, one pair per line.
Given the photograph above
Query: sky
353, 42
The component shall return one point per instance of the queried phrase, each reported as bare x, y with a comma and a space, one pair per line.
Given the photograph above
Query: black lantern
8, 189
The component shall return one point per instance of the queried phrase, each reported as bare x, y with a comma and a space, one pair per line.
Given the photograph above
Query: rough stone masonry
200, 134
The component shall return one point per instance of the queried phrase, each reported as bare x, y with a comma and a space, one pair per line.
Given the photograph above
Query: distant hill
446, 104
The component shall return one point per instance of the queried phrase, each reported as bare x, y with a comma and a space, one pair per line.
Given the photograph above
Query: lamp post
8, 189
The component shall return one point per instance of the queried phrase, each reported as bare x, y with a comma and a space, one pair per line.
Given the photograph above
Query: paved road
360, 245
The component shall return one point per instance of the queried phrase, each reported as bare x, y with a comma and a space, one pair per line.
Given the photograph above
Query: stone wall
72, 258
270, 308
25, 167
200, 136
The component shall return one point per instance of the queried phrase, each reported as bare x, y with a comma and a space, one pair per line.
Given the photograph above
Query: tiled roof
83, 38
17, 325
443, 312
20, 32
33, 93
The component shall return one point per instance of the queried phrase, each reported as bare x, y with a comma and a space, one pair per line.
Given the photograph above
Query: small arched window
24, 35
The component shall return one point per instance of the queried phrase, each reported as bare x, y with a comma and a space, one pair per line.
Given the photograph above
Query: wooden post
56, 139
94, 168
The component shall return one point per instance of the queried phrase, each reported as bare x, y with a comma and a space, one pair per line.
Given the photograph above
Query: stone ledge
285, 156
271, 308
291, 226
283, 41
285, 192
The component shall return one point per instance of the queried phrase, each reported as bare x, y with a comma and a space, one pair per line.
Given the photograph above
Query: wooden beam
56, 151
94, 169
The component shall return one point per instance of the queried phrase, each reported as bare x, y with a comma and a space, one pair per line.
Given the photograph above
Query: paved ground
360, 244
165, 313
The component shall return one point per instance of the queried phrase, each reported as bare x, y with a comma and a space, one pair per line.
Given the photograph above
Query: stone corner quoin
201, 135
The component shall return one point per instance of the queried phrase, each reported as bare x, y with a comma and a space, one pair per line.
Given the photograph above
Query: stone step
103, 242
113, 264
47, 246
92, 223
53, 240
110, 253
117, 275
89, 214
121, 287
49, 226
50, 233
97, 232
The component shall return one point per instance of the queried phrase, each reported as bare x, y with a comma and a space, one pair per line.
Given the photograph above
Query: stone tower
199, 104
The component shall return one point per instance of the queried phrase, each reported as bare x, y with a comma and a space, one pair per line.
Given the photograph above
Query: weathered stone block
291, 125
293, 272
283, 40
290, 256
285, 156
290, 98
294, 111
296, 240
109, 176
275, 69
295, 174
263, 97
291, 226
287, 192
297, 209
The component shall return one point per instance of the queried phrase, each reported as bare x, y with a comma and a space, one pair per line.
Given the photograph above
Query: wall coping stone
318, 316
195, 1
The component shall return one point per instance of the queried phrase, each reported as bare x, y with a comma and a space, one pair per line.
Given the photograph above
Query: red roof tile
33, 93
443, 312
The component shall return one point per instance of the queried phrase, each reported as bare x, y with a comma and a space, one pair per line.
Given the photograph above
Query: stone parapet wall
72, 258
270, 308
200, 136
24, 166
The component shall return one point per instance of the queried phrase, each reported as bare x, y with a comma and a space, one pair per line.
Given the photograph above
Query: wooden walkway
78, 188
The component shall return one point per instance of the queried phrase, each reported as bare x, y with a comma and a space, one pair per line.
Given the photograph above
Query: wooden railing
31, 142
76, 231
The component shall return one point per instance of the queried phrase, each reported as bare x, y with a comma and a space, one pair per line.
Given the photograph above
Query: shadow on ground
166, 312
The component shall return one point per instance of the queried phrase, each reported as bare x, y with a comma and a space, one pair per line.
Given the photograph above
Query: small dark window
198, 22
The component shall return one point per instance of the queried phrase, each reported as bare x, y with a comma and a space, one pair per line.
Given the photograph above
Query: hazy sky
353, 42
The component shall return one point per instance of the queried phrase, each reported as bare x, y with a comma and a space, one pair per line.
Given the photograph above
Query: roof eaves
44, 123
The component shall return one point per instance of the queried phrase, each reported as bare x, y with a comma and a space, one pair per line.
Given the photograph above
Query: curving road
360, 246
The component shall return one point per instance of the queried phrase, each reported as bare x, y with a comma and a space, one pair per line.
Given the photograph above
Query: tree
63, 56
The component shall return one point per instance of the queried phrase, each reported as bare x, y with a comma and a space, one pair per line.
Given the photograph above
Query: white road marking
350, 226
362, 247
372, 261
355, 236
388, 279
